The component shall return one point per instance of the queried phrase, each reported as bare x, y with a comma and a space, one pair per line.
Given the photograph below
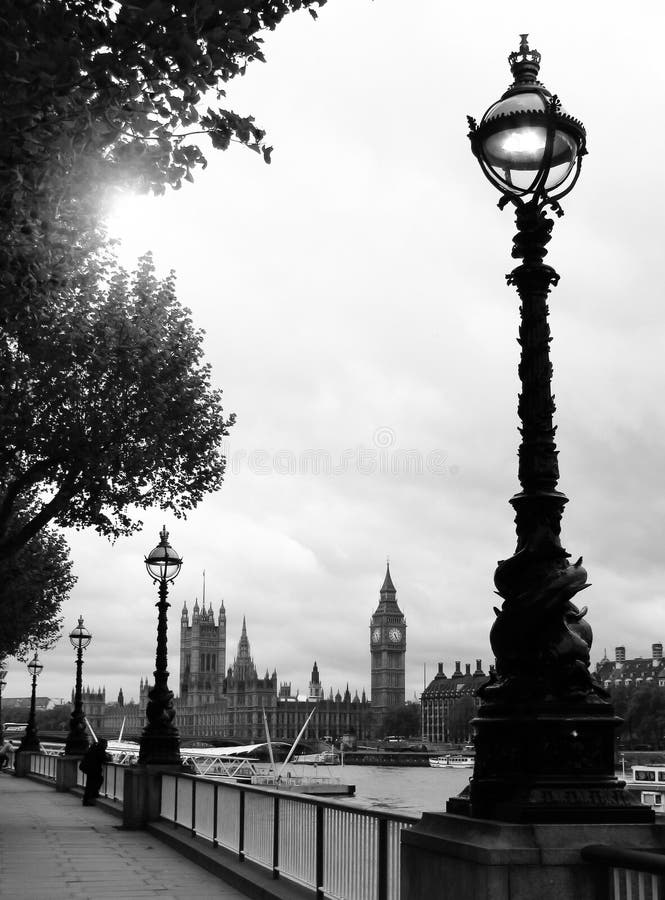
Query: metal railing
627, 874
42, 765
113, 784
340, 852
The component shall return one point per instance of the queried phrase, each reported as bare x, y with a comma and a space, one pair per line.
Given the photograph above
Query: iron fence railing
340, 852
113, 784
627, 874
42, 765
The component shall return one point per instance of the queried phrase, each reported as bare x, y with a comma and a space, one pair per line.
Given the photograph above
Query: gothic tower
247, 695
315, 689
202, 654
387, 644
243, 665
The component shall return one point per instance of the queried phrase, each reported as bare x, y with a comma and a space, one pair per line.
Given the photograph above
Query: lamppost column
538, 467
77, 739
3, 674
545, 731
161, 657
30, 741
160, 741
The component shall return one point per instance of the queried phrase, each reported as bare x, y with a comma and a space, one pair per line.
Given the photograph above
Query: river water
411, 790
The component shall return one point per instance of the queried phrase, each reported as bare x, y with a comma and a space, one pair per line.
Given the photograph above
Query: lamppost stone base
142, 794
66, 772
553, 763
476, 859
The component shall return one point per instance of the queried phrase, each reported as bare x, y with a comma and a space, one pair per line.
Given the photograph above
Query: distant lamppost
3, 683
30, 740
77, 739
160, 741
545, 730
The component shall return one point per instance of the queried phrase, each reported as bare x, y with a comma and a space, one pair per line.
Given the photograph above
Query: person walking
92, 766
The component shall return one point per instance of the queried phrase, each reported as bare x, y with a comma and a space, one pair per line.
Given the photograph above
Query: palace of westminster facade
216, 701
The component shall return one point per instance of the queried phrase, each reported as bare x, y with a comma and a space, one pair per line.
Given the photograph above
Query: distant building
246, 695
630, 673
447, 705
216, 702
387, 645
238, 713
202, 655
94, 707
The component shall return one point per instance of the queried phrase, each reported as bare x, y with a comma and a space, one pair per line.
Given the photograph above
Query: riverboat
304, 784
326, 758
452, 762
648, 784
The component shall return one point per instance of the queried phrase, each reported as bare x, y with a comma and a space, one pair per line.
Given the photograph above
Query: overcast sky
358, 321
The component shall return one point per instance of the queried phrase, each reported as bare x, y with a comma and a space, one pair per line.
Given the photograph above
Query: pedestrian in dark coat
92, 765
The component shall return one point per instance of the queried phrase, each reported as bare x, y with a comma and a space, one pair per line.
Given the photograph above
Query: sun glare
139, 222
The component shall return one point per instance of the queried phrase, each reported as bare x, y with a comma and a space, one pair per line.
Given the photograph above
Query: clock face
395, 635
376, 635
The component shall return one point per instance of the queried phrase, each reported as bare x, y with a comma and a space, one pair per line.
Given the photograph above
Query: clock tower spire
387, 642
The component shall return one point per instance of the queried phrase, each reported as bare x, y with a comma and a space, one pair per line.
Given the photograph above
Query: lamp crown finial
524, 63
164, 535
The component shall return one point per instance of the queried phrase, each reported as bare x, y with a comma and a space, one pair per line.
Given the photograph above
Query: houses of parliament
218, 702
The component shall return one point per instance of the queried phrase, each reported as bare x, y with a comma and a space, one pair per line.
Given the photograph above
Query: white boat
326, 758
648, 783
461, 762
451, 762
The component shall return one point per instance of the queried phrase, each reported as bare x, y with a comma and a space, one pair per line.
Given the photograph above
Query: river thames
411, 790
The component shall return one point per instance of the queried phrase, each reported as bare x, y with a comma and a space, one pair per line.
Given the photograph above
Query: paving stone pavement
53, 848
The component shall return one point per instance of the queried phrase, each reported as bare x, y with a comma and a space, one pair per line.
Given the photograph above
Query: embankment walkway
53, 848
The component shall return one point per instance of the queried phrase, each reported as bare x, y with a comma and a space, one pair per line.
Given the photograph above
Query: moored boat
648, 784
451, 761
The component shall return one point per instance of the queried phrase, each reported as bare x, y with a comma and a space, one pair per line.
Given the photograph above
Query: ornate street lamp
30, 740
3, 683
160, 741
77, 739
545, 730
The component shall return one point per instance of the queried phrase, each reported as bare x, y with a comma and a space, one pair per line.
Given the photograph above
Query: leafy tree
99, 92
33, 584
56, 719
642, 709
461, 712
403, 720
109, 408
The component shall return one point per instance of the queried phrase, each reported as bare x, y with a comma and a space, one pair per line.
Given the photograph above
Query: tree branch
29, 478
47, 513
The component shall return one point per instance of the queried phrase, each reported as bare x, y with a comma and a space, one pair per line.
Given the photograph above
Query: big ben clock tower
387, 642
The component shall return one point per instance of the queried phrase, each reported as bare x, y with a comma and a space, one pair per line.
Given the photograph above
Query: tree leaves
111, 407
93, 94
106, 405
33, 585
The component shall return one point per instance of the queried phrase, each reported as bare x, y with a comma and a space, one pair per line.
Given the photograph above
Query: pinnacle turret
388, 587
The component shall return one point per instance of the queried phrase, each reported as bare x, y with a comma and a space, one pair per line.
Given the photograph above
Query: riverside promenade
53, 848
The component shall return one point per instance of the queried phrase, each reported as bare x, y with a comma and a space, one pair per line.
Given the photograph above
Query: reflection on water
409, 790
